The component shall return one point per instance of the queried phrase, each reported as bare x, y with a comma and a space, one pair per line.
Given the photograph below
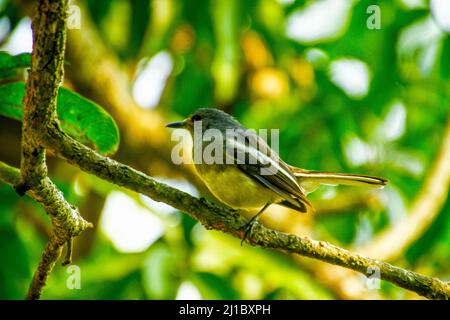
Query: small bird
241, 182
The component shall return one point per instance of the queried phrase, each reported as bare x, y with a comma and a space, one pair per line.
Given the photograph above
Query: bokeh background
345, 97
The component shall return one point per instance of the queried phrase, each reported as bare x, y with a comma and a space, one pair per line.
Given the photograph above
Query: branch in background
39, 107
390, 243
348, 201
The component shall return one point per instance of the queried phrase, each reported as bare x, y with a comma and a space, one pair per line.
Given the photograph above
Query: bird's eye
196, 117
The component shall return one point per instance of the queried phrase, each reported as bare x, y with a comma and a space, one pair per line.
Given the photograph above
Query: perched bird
245, 173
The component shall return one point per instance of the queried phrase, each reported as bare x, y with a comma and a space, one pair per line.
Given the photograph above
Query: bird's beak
178, 124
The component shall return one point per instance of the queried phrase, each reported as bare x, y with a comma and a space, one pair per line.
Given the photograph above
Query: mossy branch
230, 221
39, 109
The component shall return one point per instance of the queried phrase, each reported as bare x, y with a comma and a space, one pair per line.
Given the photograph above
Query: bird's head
206, 119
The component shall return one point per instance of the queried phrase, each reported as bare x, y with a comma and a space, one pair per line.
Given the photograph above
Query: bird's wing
254, 157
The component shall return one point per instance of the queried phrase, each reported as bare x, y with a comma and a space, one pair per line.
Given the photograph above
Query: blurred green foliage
236, 55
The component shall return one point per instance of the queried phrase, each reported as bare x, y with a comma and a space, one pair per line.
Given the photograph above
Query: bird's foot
247, 228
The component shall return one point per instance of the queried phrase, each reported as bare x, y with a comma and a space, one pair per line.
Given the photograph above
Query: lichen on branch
39, 110
230, 221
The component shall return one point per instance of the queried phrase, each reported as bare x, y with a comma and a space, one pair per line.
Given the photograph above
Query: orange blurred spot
303, 73
183, 39
255, 51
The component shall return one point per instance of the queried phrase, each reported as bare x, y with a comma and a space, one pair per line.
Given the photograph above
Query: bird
244, 173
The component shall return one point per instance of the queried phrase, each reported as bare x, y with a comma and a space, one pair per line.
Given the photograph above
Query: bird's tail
310, 180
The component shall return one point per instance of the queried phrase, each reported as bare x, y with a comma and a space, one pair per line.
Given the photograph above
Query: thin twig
48, 260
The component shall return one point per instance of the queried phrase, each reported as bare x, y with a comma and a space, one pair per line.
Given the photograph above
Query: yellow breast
234, 188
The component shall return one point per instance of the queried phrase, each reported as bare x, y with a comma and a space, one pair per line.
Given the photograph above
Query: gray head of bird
207, 118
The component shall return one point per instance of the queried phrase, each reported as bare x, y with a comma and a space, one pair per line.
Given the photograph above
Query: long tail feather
310, 180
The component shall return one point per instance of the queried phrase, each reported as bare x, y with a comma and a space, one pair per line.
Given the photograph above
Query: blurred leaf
13, 13
188, 224
115, 27
126, 287
160, 273
445, 61
225, 66
214, 287
341, 226
15, 271
220, 254
11, 96
284, 294
9, 197
79, 117
437, 233
99, 9
140, 17
9, 63
162, 16
192, 88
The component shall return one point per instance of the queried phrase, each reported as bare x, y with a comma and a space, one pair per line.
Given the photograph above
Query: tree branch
230, 221
39, 108
66, 221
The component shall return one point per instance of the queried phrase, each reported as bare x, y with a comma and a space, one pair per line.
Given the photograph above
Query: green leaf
9, 63
87, 122
81, 118
11, 95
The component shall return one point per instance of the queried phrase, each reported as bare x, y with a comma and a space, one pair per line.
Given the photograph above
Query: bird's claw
247, 228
